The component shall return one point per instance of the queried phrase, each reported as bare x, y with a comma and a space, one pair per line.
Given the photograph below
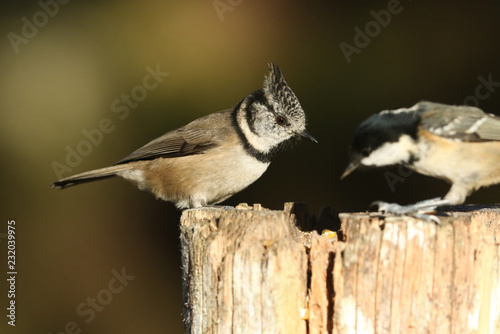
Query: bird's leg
423, 206
223, 207
217, 206
417, 210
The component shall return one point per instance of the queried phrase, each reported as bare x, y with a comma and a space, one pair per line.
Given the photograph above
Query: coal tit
459, 144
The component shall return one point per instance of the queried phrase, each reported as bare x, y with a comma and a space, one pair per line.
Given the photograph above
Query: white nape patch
477, 124
391, 153
261, 144
134, 175
400, 110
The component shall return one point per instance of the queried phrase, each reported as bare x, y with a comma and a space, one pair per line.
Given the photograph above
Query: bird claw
417, 210
428, 218
390, 207
222, 207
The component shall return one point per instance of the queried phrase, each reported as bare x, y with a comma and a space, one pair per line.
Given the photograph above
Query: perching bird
216, 156
459, 144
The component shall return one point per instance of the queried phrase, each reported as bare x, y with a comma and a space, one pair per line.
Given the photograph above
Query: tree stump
252, 270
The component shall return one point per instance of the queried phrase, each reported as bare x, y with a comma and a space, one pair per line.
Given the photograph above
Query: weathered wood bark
252, 271
245, 272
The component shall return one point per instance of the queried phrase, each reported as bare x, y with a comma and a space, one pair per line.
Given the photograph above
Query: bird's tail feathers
93, 175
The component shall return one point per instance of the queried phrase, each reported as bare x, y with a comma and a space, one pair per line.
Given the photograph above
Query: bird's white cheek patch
391, 153
261, 144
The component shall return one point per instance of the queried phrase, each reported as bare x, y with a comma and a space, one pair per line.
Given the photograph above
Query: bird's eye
281, 120
365, 152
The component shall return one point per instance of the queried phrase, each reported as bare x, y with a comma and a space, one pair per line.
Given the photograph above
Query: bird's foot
222, 207
418, 210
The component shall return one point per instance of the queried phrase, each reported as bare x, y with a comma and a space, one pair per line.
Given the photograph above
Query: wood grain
252, 270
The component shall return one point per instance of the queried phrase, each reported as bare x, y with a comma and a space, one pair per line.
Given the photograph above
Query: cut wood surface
252, 270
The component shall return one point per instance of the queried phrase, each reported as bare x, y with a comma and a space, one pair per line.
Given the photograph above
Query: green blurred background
64, 78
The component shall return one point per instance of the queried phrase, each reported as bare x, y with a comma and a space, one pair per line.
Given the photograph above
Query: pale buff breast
199, 179
459, 162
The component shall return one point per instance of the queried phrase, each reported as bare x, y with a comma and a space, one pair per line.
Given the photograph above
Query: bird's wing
195, 138
460, 122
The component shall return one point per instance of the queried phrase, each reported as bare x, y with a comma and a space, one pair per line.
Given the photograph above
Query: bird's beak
350, 168
307, 135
